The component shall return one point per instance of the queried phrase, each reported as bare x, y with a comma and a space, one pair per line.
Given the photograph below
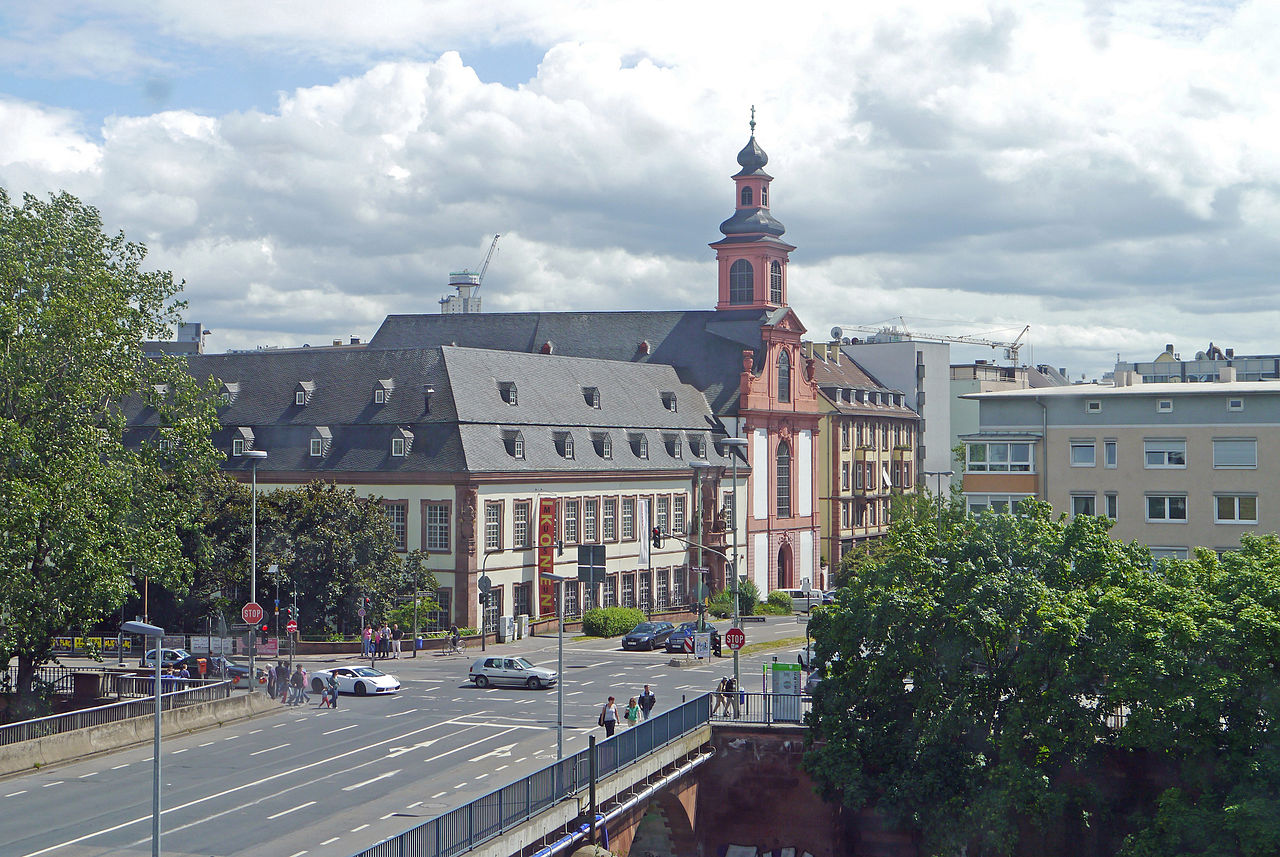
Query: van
802, 600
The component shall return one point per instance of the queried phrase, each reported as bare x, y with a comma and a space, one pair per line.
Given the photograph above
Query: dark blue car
675, 643
647, 635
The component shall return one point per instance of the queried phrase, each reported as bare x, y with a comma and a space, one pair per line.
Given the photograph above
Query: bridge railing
25, 730
760, 708
466, 827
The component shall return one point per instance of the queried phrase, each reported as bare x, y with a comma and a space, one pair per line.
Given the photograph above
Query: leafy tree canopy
994, 678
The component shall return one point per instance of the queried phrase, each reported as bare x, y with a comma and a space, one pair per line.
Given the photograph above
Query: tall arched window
784, 479
764, 196
784, 376
775, 282
741, 282
746, 196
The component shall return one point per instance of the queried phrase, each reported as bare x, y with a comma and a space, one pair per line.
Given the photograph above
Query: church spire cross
753, 120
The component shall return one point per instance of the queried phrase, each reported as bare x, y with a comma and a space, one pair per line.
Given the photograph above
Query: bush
611, 621
780, 599
720, 605
748, 597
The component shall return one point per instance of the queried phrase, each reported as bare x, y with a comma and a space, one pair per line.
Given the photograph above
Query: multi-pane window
784, 480
1113, 506
317, 447
677, 514
628, 519
520, 533
662, 520
590, 517
775, 282
1236, 509
571, 598
1083, 504
1003, 457
646, 590
844, 476
677, 586
437, 526
1084, 453
628, 590
611, 519
741, 282
493, 525
1235, 453
1163, 454
844, 435
520, 599
727, 505
397, 447
1110, 453
661, 576
611, 591
396, 515
571, 521
1166, 507
784, 376
237, 446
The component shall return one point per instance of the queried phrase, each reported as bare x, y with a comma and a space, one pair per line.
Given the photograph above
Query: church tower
752, 256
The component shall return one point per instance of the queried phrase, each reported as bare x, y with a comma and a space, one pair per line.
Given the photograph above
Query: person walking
647, 701
366, 641
632, 714
396, 636
333, 691
384, 641
609, 717
295, 686
271, 681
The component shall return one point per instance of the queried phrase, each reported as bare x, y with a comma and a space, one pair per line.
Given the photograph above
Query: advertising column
546, 557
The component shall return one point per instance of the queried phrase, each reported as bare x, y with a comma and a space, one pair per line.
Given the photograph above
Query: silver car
512, 671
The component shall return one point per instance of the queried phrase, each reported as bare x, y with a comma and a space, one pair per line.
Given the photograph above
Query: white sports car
362, 681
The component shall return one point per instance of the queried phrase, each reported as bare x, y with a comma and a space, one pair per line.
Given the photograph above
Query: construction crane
468, 283
1011, 349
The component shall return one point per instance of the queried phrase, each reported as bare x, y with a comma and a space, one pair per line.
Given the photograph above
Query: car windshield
689, 626
369, 671
643, 628
522, 662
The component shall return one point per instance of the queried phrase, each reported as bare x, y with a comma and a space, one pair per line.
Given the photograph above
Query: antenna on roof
468, 283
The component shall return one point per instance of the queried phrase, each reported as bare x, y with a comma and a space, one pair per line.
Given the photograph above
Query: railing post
591, 800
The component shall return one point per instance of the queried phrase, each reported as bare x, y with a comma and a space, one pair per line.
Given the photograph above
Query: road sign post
291, 627
251, 613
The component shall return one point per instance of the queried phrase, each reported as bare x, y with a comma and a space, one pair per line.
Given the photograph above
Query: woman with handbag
609, 717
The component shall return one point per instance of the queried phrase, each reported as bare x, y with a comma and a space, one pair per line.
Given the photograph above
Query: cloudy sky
1106, 172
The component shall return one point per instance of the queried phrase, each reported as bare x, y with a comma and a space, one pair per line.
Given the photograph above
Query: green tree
84, 506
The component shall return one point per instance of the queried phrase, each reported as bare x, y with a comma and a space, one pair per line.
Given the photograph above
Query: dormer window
639, 445
230, 390
603, 443
669, 401
697, 446
564, 444
382, 391
237, 446
321, 441
673, 444
514, 442
241, 440
507, 389
302, 392
401, 442
592, 397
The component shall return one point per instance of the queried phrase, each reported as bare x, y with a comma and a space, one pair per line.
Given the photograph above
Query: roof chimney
355, 340
1168, 348
1226, 374
1231, 353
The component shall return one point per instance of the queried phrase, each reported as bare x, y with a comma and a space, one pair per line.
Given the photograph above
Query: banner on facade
546, 556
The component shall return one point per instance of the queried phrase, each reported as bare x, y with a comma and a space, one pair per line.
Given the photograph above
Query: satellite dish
836, 333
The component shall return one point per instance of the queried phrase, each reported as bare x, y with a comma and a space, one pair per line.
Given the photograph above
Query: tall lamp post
699, 467
939, 474
157, 636
734, 445
254, 456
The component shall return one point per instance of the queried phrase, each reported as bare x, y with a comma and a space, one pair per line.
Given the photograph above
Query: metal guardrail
462, 829
760, 708
25, 730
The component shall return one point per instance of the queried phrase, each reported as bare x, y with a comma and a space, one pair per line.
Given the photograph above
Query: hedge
611, 621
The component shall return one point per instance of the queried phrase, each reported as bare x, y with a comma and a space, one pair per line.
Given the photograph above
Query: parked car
513, 671
812, 682
685, 631
362, 681
168, 658
647, 635
220, 667
803, 600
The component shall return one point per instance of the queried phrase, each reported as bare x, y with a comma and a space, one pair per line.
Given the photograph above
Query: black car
216, 666
675, 643
647, 635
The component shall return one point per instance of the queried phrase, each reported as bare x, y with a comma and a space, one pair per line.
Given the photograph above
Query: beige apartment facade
1176, 466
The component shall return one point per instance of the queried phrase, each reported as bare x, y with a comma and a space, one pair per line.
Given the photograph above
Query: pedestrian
719, 698
647, 701
271, 681
384, 642
396, 636
282, 681
333, 691
632, 714
609, 717
366, 641
296, 686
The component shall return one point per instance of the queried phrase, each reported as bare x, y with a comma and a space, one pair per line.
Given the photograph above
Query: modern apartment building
866, 451
984, 377
1176, 466
1169, 367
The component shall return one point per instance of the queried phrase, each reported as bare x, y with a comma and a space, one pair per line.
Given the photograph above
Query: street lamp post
157, 635
939, 474
733, 445
698, 468
255, 456
560, 579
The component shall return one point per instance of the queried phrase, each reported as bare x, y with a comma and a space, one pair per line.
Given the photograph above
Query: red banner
546, 556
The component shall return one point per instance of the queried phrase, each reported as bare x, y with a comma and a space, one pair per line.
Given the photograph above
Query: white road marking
298, 854
601, 664
481, 776
585, 683
502, 768
459, 785
295, 809
402, 713
255, 731
616, 675
659, 675
332, 839
208, 743
358, 829
433, 797
15, 794
468, 746
268, 750
415, 803
46, 785
521, 759
126, 764
574, 692
340, 729
176, 752
278, 725
90, 774
385, 817
232, 737
399, 751
355, 786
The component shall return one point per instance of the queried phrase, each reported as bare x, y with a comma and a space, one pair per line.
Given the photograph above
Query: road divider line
331, 840
340, 729
472, 744
402, 713
118, 767
90, 774
268, 750
298, 854
438, 794
287, 811
15, 794
176, 752
47, 785
415, 803
358, 829
355, 786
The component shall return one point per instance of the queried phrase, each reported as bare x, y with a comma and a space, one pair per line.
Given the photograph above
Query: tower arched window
741, 282
775, 282
784, 479
746, 196
784, 376
764, 195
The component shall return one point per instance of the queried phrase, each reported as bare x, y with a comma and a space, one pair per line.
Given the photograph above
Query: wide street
303, 781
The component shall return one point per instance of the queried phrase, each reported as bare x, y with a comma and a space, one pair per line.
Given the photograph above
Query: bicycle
458, 648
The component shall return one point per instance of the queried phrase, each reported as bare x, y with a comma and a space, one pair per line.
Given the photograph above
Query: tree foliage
994, 677
83, 510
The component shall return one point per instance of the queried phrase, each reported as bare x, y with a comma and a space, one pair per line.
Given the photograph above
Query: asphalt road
327, 783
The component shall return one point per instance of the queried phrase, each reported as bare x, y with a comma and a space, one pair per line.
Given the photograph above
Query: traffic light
291, 612
368, 604
262, 632
657, 537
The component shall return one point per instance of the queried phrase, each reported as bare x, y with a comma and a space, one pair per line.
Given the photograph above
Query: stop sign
291, 627
735, 638
251, 613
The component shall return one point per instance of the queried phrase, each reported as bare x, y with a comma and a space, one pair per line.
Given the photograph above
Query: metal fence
462, 829
760, 708
56, 724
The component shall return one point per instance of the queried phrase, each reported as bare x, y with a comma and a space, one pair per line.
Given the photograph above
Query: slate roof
703, 346
846, 374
